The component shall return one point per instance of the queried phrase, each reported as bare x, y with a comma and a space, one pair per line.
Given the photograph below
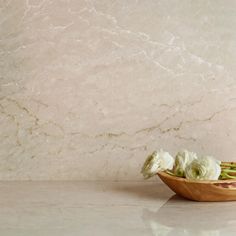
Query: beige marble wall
88, 88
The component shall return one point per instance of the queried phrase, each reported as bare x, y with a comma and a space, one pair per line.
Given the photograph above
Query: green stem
226, 176
228, 171
170, 173
225, 164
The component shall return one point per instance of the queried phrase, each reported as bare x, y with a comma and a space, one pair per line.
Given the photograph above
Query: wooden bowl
202, 191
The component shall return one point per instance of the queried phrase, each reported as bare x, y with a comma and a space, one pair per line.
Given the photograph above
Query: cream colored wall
89, 88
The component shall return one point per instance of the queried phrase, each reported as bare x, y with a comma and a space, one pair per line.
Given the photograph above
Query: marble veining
89, 88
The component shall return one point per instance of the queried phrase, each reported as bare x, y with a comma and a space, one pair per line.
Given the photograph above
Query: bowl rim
181, 179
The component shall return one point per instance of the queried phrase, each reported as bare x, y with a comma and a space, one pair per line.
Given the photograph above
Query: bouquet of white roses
188, 165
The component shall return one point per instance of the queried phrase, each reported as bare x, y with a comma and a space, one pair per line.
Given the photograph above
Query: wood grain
203, 191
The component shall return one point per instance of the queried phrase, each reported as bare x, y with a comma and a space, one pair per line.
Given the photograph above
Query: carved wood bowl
202, 191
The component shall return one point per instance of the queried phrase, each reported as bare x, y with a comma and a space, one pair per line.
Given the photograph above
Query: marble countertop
107, 208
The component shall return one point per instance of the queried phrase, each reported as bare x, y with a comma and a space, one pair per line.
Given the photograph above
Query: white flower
204, 168
157, 161
182, 160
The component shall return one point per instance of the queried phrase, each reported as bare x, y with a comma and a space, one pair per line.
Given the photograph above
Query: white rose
182, 160
157, 161
204, 168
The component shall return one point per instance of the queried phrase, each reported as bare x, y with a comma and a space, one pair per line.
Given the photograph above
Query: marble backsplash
89, 88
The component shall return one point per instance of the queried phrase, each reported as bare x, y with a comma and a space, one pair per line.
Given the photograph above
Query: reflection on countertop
107, 208
181, 217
